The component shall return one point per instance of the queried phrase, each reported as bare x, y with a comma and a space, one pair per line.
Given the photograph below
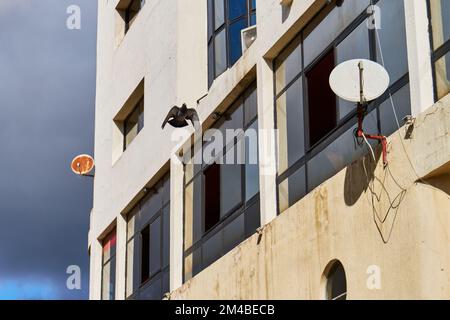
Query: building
316, 217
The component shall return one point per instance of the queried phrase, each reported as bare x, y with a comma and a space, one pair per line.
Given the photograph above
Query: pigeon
177, 117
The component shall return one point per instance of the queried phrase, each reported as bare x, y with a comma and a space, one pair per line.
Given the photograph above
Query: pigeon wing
172, 114
192, 115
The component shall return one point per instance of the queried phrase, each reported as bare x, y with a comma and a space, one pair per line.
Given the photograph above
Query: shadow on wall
358, 177
440, 182
439, 178
384, 192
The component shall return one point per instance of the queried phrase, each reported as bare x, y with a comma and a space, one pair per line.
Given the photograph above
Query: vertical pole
419, 56
267, 142
176, 222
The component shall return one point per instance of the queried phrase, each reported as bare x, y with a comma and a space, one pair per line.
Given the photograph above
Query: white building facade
288, 225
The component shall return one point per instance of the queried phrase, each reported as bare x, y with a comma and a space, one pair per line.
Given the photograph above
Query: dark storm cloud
47, 96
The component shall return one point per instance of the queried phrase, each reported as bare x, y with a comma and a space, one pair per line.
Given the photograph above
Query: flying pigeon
177, 117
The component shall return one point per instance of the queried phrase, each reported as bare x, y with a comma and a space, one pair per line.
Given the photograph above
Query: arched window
335, 281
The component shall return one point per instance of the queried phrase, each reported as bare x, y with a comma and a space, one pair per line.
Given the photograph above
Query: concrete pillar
176, 222
267, 142
419, 55
121, 249
95, 274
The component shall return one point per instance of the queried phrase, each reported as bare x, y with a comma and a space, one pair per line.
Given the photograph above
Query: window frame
306, 107
211, 27
436, 54
343, 124
108, 261
137, 236
330, 271
139, 105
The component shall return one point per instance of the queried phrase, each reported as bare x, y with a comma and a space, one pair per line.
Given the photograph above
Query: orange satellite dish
82, 164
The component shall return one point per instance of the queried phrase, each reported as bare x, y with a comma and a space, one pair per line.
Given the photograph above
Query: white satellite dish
361, 81
348, 78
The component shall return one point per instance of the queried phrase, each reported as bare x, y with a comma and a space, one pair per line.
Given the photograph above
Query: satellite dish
348, 78
361, 81
82, 164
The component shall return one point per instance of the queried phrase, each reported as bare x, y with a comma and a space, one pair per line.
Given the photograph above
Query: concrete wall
167, 46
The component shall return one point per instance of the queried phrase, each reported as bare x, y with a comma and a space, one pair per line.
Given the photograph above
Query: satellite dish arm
377, 83
361, 110
88, 175
362, 98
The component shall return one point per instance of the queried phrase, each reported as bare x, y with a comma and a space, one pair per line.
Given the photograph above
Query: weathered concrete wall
363, 217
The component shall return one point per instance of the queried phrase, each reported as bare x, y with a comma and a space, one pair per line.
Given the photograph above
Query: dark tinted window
166, 237
321, 99
148, 244
223, 196
212, 196
336, 283
145, 254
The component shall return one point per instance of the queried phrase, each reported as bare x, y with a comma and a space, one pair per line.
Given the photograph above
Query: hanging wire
370, 147
398, 122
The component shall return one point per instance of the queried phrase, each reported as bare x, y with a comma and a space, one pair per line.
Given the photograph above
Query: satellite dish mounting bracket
362, 111
88, 175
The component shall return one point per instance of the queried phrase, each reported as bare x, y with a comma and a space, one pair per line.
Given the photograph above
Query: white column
176, 222
419, 55
267, 142
121, 249
95, 275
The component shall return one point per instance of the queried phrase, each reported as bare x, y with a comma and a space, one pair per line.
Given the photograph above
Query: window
440, 23
109, 267
128, 10
129, 121
226, 19
212, 196
145, 254
148, 243
315, 128
222, 193
133, 124
321, 99
336, 283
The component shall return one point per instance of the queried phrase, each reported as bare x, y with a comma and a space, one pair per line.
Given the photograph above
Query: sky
47, 101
